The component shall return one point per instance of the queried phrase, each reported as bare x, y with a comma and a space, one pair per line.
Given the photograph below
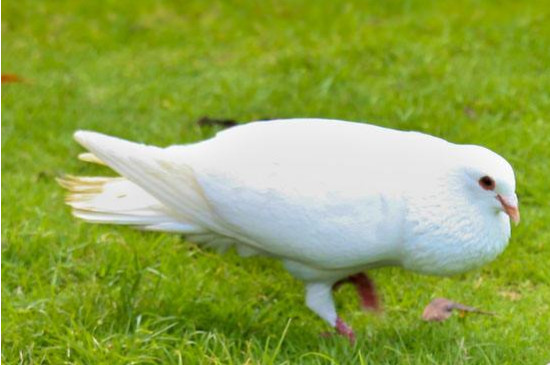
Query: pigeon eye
487, 183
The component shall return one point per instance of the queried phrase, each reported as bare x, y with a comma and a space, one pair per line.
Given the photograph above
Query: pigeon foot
345, 330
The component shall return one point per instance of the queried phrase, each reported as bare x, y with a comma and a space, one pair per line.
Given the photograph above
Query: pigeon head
490, 181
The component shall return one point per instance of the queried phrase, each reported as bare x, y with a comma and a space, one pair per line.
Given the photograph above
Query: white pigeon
329, 198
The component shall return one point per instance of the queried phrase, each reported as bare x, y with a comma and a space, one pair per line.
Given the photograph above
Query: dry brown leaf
10, 78
440, 309
207, 121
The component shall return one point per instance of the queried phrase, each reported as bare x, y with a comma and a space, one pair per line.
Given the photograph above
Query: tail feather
157, 191
90, 157
119, 201
160, 172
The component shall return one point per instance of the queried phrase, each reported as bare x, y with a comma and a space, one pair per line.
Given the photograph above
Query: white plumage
329, 198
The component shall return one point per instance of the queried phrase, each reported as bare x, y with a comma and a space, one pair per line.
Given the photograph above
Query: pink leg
345, 330
365, 289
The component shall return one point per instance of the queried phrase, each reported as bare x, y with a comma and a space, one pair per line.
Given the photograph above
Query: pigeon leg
365, 288
319, 300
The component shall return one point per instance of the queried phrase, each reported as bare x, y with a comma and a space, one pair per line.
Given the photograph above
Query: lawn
470, 72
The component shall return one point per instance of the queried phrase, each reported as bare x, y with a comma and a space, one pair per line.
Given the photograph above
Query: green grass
473, 71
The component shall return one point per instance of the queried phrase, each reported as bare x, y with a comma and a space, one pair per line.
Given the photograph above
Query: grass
473, 71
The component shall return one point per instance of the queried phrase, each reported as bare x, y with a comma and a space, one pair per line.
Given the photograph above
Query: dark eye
487, 183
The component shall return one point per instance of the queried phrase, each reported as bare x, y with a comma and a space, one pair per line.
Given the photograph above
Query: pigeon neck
448, 234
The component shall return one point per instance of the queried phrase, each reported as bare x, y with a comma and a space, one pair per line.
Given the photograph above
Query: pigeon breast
334, 195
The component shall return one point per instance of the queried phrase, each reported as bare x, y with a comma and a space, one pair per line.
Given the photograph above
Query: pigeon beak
510, 206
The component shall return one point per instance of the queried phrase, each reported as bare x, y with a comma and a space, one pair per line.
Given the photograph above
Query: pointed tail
157, 190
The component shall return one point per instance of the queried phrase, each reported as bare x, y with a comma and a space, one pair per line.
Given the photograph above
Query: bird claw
342, 329
440, 309
345, 330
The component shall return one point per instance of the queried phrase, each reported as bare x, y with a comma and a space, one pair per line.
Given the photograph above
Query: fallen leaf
10, 78
207, 121
440, 309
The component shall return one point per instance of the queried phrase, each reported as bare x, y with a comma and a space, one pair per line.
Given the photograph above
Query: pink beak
510, 206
